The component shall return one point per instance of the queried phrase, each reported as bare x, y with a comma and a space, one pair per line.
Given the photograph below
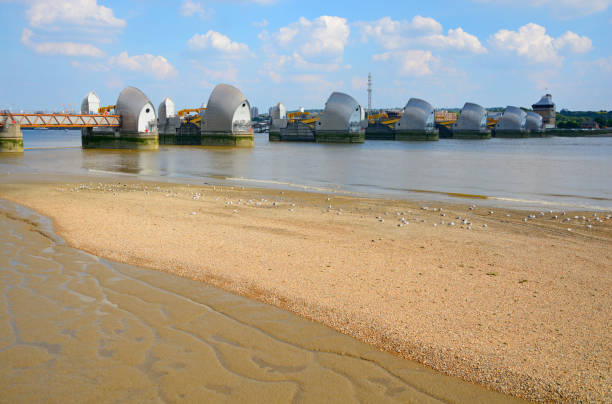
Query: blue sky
492, 52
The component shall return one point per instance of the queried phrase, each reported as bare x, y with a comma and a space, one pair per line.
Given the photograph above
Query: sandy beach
516, 303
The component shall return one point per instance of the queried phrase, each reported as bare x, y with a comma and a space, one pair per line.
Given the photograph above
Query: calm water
548, 172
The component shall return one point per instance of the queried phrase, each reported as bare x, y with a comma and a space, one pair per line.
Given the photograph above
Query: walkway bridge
60, 120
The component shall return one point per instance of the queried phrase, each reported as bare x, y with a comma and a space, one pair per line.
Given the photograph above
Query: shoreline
347, 260
99, 331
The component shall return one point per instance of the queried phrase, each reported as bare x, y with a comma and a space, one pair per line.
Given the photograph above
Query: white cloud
59, 48
420, 31
566, 8
218, 42
86, 13
573, 42
305, 45
190, 8
457, 39
410, 62
392, 34
300, 63
533, 43
320, 39
158, 66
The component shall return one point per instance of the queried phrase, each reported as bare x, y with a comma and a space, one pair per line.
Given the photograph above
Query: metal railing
60, 120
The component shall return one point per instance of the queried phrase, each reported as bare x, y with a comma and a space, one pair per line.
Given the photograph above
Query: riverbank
75, 328
518, 306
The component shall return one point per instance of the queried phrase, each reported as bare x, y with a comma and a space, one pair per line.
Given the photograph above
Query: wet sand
74, 328
521, 307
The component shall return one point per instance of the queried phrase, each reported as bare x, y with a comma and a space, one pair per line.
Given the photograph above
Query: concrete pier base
91, 139
471, 134
180, 139
378, 131
228, 139
339, 137
510, 133
274, 136
416, 135
296, 132
11, 138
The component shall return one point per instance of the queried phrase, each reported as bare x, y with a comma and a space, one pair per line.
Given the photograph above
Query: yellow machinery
194, 119
106, 110
377, 117
297, 116
390, 122
491, 122
447, 123
310, 121
182, 112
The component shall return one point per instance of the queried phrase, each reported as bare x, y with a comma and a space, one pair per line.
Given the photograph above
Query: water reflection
119, 161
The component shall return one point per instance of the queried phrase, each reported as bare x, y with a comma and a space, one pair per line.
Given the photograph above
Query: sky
491, 52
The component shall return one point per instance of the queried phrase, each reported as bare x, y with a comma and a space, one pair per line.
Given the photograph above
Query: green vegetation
575, 119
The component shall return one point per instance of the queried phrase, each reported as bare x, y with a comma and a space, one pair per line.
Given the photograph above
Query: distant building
444, 115
254, 112
546, 109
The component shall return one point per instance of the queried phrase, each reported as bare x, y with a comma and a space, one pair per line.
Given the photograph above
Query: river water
76, 328
549, 172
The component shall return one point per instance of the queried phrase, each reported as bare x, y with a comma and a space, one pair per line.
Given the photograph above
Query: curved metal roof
337, 113
418, 115
534, 121
513, 118
545, 101
129, 105
166, 109
472, 117
90, 103
222, 104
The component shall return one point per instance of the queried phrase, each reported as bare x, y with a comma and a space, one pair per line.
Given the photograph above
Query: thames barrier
226, 120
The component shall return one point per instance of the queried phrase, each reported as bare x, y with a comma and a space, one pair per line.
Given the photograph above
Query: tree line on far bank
576, 119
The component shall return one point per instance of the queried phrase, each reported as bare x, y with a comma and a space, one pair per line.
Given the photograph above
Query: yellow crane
310, 121
106, 109
195, 119
182, 112
447, 123
390, 122
376, 117
297, 116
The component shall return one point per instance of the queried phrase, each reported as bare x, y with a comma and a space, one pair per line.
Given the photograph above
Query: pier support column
416, 135
471, 134
11, 137
94, 139
228, 139
339, 137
